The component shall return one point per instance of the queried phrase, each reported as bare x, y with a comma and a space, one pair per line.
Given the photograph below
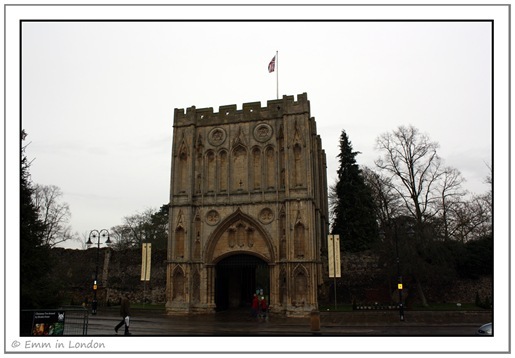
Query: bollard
315, 320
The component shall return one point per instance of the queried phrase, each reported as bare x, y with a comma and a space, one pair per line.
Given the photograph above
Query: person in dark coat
125, 313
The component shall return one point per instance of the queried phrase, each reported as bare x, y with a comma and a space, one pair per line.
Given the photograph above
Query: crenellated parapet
251, 111
247, 206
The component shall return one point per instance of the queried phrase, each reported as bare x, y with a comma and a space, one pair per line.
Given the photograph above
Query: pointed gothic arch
223, 165
270, 171
210, 171
239, 168
299, 240
178, 284
180, 236
239, 233
299, 237
195, 286
257, 168
300, 282
183, 155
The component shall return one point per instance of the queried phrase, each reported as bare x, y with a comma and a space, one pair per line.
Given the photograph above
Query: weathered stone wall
466, 290
118, 272
362, 279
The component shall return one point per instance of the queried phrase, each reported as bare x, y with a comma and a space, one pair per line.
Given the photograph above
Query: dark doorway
237, 279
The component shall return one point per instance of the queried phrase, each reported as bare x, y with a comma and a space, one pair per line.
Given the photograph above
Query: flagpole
277, 71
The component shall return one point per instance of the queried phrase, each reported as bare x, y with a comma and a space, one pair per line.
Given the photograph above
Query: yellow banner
146, 255
333, 255
337, 264
330, 254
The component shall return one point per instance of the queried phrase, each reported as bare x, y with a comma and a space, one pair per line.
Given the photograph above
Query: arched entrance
237, 279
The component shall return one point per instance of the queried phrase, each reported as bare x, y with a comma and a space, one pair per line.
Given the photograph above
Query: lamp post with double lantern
95, 234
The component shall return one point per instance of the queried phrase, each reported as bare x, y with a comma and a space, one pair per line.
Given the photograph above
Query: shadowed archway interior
237, 279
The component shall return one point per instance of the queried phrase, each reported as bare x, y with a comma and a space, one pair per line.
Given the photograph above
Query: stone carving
232, 234
250, 236
239, 140
217, 136
266, 216
263, 132
240, 235
212, 217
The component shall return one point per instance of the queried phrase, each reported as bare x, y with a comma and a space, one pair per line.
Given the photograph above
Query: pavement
239, 323
235, 323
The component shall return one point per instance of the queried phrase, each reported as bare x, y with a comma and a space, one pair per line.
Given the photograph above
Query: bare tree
130, 233
469, 219
54, 213
387, 201
489, 195
451, 196
332, 202
410, 158
122, 237
472, 219
138, 224
435, 200
150, 226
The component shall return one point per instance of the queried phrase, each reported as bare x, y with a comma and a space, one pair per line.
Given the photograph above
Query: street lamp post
95, 234
399, 276
400, 287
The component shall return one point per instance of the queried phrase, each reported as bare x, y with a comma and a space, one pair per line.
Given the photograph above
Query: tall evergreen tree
353, 215
36, 286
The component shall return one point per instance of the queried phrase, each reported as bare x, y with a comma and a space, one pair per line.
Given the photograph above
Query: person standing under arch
264, 308
254, 309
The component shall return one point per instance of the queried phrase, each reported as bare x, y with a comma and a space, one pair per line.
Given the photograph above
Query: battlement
249, 112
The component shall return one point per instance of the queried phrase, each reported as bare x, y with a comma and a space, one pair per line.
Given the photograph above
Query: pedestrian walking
264, 308
254, 309
125, 313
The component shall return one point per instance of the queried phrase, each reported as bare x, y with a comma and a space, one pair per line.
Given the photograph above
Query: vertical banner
146, 254
330, 254
333, 253
337, 264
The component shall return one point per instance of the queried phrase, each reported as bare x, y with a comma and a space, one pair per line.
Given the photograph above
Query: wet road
148, 323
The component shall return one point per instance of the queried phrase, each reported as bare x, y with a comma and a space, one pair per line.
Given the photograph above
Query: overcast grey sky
98, 97
98, 100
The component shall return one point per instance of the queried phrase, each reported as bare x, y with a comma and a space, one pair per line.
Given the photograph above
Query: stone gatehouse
248, 208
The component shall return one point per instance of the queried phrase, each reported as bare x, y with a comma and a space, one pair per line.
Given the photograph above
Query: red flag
271, 65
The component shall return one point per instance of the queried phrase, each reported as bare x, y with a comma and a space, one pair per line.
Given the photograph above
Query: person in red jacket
255, 306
